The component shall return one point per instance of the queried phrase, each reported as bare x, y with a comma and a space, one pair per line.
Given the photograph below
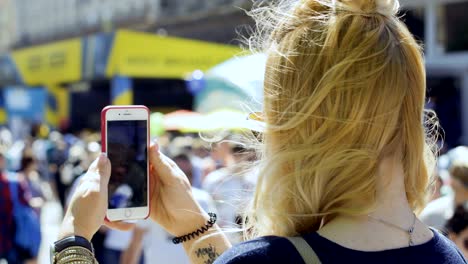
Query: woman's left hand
88, 205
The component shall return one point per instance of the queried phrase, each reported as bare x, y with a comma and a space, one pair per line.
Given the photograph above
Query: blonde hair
344, 87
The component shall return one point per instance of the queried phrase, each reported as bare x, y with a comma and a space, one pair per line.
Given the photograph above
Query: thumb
160, 163
104, 168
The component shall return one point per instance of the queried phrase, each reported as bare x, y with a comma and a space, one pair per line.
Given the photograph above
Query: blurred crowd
44, 169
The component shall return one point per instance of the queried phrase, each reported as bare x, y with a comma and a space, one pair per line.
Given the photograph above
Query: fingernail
103, 157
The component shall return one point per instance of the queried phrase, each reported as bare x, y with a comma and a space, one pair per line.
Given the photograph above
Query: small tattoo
207, 252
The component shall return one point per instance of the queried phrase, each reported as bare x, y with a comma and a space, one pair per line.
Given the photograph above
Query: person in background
29, 175
457, 228
56, 157
116, 242
439, 211
39, 148
229, 187
7, 251
203, 197
153, 239
134, 252
222, 154
202, 162
459, 181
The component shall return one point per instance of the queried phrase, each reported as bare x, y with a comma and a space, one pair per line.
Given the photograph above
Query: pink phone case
104, 140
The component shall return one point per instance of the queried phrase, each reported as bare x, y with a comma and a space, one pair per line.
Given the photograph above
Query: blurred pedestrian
153, 239
229, 187
30, 176
19, 224
438, 211
134, 252
457, 228
203, 197
222, 155
6, 216
459, 181
56, 158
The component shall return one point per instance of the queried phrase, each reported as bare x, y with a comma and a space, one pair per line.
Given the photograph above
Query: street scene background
61, 62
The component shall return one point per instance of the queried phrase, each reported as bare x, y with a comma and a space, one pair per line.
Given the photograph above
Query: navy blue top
274, 249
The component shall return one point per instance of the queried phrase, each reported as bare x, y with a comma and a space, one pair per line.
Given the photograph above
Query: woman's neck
392, 202
361, 233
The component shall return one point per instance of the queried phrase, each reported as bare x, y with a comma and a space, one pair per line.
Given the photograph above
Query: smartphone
125, 139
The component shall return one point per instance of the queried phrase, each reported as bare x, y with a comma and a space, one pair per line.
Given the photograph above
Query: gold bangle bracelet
75, 255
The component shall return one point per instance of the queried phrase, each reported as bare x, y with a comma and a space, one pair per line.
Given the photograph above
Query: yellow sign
3, 116
141, 55
51, 63
125, 98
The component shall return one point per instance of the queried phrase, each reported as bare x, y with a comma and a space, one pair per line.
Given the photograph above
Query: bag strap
305, 250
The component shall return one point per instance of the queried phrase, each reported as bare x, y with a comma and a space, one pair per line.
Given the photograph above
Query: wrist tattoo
209, 253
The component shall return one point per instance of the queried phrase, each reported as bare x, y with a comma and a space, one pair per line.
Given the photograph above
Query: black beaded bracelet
198, 232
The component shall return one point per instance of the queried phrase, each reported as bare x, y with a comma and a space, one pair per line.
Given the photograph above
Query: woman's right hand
172, 203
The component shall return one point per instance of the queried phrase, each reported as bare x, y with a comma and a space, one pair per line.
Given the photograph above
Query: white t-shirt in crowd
157, 243
230, 193
117, 240
438, 212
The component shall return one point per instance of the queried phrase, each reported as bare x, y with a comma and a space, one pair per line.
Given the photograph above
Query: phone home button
128, 213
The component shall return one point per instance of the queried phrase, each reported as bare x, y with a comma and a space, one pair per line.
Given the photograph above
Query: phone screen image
127, 152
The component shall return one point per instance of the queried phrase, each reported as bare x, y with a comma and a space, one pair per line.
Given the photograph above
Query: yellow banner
3, 116
51, 63
125, 98
138, 54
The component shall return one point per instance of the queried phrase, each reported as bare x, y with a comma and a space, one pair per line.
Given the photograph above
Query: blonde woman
345, 165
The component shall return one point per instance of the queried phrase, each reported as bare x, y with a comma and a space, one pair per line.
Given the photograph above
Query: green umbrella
156, 124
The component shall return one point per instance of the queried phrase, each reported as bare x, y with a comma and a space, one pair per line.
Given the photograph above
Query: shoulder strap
305, 250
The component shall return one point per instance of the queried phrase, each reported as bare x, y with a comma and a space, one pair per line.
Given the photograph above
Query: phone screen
127, 152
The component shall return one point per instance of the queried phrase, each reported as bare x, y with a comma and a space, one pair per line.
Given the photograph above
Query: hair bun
384, 7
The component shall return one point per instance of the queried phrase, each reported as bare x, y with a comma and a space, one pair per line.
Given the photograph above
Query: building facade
7, 25
43, 21
442, 27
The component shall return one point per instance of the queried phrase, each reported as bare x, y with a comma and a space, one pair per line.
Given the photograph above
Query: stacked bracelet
198, 232
75, 255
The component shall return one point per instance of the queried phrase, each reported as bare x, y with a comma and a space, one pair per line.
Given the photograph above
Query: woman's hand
174, 208
172, 203
88, 205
